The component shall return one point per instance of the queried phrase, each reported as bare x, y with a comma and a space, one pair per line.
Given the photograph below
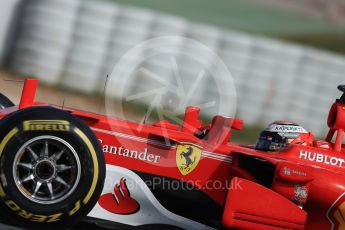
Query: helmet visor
270, 141
263, 144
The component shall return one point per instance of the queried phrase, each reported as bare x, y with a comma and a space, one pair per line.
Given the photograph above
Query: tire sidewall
66, 212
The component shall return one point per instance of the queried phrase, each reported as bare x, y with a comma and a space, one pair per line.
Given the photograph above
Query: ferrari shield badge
187, 158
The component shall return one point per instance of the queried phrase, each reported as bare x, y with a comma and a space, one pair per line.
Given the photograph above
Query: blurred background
286, 56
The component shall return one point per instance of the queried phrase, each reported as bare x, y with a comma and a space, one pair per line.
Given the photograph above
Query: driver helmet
279, 134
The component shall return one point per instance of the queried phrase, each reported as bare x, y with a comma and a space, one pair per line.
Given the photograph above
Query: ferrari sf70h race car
59, 166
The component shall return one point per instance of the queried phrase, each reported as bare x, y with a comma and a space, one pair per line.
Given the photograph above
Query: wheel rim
46, 169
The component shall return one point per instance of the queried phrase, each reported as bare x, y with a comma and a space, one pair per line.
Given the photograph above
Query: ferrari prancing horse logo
187, 158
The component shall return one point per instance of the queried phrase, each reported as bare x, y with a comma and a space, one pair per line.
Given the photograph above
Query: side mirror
191, 122
237, 124
221, 128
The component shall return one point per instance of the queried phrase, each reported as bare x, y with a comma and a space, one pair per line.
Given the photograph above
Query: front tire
52, 168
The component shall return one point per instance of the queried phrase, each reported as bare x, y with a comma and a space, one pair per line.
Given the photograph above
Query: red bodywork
303, 188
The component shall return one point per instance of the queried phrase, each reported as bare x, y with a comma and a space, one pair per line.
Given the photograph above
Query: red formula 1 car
60, 165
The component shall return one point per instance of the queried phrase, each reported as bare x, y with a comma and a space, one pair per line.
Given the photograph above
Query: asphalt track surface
7, 227
79, 227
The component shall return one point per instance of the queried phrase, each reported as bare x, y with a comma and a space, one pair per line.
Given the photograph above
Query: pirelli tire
52, 168
5, 102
